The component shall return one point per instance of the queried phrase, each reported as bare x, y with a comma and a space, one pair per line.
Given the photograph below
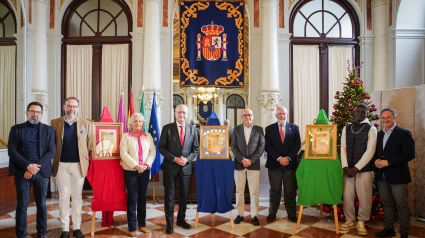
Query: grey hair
389, 109
227, 122
133, 118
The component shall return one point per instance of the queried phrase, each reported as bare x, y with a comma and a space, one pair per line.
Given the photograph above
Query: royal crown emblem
212, 44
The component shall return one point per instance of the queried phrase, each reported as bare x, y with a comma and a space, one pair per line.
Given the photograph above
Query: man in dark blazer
282, 145
31, 150
179, 145
247, 147
395, 147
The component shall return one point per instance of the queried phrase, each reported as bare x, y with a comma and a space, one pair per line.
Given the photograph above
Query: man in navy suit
395, 147
282, 145
179, 145
31, 150
247, 147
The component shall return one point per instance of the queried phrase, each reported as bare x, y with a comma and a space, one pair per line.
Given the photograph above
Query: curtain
306, 85
338, 57
79, 60
114, 77
7, 89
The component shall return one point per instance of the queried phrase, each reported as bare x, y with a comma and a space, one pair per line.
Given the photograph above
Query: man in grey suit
179, 145
248, 146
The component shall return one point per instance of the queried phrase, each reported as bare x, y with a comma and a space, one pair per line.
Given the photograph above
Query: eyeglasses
247, 115
387, 118
71, 106
34, 112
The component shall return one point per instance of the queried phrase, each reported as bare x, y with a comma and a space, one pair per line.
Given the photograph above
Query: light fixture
205, 94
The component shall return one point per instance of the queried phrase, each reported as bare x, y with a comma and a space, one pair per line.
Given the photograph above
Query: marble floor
209, 225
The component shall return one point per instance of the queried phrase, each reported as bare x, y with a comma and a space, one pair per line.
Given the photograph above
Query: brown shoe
143, 229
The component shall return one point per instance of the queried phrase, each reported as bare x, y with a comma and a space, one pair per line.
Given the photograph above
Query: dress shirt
387, 135
247, 133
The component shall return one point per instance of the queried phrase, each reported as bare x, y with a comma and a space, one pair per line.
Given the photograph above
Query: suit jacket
399, 150
85, 142
275, 148
46, 148
253, 151
170, 147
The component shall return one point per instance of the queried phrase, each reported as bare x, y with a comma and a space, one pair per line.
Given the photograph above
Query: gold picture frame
321, 142
214, 142
108, 138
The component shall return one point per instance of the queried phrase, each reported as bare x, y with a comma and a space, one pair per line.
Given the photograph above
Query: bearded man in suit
395, 147
282, 145
248, 147
179, 144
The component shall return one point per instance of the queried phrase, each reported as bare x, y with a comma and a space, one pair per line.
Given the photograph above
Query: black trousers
169, 196
287, 178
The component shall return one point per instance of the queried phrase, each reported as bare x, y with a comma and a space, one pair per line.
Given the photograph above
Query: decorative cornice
137, 37
269, 100
284, 37
377, 3
409, 33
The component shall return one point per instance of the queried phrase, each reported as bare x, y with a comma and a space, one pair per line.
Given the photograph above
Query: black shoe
77, 233
385, 233
64, 234
42, 236
238, 219
404, 235
184, 224
271, 218
169, 230
293, 219
255, 221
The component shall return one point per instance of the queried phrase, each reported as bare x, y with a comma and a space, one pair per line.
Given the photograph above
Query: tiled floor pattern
209, 225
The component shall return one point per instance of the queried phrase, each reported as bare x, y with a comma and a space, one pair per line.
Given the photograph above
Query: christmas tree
354, 92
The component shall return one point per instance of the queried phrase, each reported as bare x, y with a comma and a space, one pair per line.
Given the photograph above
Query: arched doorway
324, 37
7, 70
234, 106
96, 54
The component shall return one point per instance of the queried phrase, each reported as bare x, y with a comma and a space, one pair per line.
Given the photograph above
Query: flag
121, 113
130, 108
154, 131
143, 111
106, 116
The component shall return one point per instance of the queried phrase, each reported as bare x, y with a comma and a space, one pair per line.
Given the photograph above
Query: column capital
149, 98
269, 100
377, 3
366, 39
42, 2
41, 97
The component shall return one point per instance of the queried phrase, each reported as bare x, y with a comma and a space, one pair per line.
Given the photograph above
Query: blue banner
204, 111
212, 44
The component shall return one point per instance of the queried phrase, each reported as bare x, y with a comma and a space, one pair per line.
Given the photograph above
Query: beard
282, 121
33, 121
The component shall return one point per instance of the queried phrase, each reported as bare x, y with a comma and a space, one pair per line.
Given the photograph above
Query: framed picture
320, 142
108, 137
214, 142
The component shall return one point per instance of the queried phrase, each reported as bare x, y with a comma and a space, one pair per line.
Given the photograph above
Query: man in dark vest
358, 143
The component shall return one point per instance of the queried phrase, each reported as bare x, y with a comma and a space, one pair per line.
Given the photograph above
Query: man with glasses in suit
248, 147
31, 150
395, 147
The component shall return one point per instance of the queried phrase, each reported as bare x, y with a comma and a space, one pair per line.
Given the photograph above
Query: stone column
269, 97
39, 70
151, 55
366, 56
190, 106
380, 63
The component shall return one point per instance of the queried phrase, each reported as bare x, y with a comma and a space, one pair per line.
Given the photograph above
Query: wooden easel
320, 217
232, 224
93, 222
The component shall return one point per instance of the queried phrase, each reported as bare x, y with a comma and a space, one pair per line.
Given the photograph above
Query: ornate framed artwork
214, 142
321, 142
108, 137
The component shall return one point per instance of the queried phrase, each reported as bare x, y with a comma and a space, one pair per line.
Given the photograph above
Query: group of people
387, 153
69, 140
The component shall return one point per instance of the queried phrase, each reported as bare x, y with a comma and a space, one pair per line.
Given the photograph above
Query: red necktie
282, 134
182, 135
